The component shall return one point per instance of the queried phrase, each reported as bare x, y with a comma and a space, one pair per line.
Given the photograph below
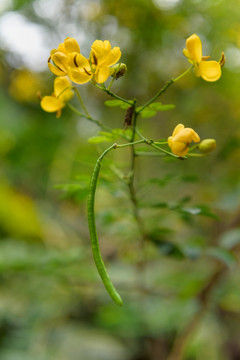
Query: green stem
81, 102
132, 143
88, 117
133, 198
195, 146
110, 85
183, 74
160, 142
197, 155
103, 87
164, 151
165, 87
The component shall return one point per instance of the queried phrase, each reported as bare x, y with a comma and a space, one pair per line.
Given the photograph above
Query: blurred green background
52, 302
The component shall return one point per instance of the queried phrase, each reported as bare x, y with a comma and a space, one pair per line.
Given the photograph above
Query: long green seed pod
93, 232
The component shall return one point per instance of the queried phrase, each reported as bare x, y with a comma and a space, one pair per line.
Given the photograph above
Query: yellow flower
61, 95
24, 85
208, 70
59, 56
101, 58
181, 138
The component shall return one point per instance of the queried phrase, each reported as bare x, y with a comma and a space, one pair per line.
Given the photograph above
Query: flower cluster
67, 60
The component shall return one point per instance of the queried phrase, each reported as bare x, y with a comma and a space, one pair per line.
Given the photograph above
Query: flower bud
207, 145
118, 70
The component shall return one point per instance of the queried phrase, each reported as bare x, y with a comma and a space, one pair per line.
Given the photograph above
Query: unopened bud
118, 70
207, 145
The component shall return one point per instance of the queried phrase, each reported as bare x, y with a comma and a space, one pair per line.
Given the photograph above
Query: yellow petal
61, 48
102, 74
60, 60
51, 104
170, 141
186, 136
71, 45
55, 70
53, 52
179, 148
195, 136
113, 57
186, 53
76, 60
177, 129
62, 89
193, 49
210, 70
79, 75
100, 51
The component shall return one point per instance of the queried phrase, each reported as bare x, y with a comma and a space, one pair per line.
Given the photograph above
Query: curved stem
88, 117
81, 101
183, 74
165, 87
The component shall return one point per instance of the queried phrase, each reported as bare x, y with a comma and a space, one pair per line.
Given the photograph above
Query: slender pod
93, 232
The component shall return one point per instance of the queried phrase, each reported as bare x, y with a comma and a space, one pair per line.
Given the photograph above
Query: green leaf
112, 103
199, 210
156, 105
124, 106
166, 247
159, 205
120, 132
152, 109
76, 191
161, 181
99, 139
147, 112
225, 256
106, 133
192, 211
165, 107
116, 102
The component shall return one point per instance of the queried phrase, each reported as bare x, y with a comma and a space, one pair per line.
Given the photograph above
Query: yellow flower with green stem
181, 139
208, 70
61, 95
